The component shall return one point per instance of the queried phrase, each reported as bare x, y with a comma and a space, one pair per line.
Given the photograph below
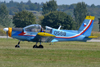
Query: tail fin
87, 26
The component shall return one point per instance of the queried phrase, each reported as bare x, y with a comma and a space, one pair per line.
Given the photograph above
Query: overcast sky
60, 2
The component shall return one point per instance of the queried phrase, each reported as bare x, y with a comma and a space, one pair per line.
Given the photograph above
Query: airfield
60, 54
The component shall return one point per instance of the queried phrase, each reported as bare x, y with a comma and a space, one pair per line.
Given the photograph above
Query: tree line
16, 7
52, 14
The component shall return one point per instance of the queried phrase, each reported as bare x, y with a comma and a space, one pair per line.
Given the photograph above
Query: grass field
95, 27
61, 54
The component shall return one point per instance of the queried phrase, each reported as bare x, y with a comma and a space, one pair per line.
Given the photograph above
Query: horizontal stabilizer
92, 37
90, 17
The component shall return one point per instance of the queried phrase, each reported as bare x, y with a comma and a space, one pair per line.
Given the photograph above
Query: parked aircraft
35, 33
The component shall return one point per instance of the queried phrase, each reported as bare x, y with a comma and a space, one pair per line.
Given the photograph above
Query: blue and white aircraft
34, 33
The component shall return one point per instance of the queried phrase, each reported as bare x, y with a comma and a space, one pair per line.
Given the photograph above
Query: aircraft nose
5, 29
8, 31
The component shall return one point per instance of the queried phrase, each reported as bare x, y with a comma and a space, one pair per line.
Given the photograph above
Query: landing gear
35, 46
17, 46
40, 46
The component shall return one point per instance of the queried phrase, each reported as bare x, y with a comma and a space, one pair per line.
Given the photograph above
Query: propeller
6, 30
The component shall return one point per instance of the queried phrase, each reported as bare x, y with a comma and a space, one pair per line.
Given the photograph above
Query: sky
60, 2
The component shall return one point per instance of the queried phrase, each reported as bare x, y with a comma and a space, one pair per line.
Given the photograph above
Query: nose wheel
17, 46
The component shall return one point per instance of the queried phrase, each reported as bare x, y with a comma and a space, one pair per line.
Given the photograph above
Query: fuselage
60, 35
35, 33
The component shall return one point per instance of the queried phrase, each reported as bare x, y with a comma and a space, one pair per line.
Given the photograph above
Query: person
41, 30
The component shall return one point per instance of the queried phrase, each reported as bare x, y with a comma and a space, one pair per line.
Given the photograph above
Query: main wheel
40, 46
35, 46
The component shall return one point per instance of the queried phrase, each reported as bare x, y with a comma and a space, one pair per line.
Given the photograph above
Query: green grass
61, 54
95, 34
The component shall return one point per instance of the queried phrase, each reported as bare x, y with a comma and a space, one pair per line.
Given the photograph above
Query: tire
35, 46
17, 46
40, 46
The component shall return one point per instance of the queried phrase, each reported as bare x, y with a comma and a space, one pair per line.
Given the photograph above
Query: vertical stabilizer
87, 26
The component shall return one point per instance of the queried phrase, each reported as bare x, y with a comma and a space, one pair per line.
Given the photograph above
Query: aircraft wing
43, 37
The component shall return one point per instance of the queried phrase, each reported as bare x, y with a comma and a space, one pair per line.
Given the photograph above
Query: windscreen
33, 28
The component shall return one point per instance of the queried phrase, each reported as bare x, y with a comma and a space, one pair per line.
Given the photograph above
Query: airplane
35, 33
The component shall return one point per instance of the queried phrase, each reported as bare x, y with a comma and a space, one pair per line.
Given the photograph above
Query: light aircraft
34, 33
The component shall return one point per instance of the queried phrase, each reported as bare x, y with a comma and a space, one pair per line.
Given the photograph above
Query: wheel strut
17, 46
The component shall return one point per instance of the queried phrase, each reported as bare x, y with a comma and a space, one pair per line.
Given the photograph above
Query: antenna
59, 27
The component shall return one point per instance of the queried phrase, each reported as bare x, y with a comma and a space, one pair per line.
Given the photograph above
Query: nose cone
5, 29
9, 31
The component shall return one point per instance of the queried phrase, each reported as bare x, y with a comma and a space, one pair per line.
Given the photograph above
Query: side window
48, 30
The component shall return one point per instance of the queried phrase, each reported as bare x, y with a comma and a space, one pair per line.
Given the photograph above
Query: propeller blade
6, 30
7, 34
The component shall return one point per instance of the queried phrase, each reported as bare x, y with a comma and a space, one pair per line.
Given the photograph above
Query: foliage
49, 7
20, 7
16, 6
23, 18
68, 9
80, 13
56, 18
13, 7
2, 33
5, 20
40, 18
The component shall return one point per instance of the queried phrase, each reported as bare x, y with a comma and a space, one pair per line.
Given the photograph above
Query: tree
93, 6
56, 18
49, 7
23, 18
29, 2
21, 7
5, 20
80, 13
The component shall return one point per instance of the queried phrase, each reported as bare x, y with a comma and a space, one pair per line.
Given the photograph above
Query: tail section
87, 26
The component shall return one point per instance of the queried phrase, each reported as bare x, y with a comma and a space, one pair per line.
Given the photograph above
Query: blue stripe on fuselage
15, 34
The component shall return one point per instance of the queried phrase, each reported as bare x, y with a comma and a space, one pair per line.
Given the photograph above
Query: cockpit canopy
37, 28
33, 28
48, 30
